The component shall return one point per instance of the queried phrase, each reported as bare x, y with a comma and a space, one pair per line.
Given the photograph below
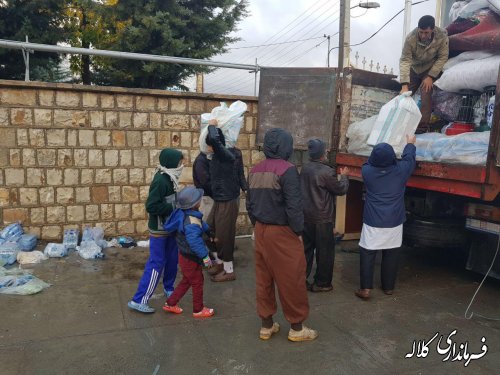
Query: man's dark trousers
319, 239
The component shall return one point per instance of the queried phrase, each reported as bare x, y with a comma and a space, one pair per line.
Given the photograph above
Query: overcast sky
282, 21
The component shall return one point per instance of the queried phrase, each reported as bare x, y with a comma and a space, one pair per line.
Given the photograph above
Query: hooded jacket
161, 202
319, 185
420, 57
385, 180
227, 176
201, 174
188, 228
274, 195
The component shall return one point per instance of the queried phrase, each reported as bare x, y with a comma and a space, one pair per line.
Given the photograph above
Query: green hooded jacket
160, 202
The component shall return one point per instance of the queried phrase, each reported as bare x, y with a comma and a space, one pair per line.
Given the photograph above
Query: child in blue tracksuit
187, 224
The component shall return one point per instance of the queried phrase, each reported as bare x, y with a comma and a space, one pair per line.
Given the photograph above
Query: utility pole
328, 50
407, 24
344, 33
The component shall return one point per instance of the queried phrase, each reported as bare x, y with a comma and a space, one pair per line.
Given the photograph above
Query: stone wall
72, 155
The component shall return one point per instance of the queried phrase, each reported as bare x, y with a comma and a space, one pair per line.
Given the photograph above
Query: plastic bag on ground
143, 243
20, 282
70, 238
12, 231
229, 120
31, 257
396, 119
28, 242
357, 134
89, 250
8, 253
55, 250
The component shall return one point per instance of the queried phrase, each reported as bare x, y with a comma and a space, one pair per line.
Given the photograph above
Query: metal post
328, 50
26, 57
407, 23
255, 80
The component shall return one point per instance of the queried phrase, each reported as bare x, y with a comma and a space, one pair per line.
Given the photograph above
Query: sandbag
467, 56
473, 75
32, 257
357, 134
396, 119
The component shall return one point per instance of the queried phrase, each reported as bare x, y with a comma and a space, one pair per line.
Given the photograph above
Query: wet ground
81, 324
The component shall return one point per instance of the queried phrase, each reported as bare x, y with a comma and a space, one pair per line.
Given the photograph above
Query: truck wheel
442, 233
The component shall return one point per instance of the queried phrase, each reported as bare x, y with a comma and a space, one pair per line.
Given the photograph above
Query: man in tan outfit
424, 54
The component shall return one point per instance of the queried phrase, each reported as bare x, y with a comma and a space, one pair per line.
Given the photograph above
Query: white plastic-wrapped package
466, 148
31, 257
229, 120
396, 120
467, 56
424, 144
358, 133
473, 6
472, 74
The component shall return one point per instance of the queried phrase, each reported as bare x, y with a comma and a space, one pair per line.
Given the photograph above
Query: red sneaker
204, 313
173, 309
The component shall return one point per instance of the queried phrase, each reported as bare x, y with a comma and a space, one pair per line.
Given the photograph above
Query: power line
275, 44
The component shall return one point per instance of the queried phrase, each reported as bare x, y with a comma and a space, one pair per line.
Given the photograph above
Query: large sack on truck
465, 148
472, 74
396, 120
358, 133
485, 36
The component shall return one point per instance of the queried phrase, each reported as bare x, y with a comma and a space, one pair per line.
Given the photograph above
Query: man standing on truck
425, 52
320, 186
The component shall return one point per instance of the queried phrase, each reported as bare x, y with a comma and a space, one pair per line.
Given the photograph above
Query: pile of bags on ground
13, 241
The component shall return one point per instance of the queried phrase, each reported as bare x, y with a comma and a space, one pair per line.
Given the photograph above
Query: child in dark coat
187, 224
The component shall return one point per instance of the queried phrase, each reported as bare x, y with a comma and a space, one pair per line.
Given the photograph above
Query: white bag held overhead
396, 120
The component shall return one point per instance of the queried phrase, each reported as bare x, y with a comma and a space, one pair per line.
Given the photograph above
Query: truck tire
442, 233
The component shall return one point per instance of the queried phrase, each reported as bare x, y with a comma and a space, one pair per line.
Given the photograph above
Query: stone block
125, 101
70, 118
54, 177
43, 117
176, 121
155, 121
118, 138
175, 140
52, 232
149, 139
242, 142
56, 137
103, 176
186, 139
187, 176
11, 215
22, 137
21, 117
67, 99
15, 157
4, 159
109, 228
89, 99
56, 214
4, 197
103, 138
136, 176
211, 104
141, 120
111, 119
46, 157
145, 103
120, 176
86, 138
46, 195
72, 137
246, 157
252, 141
196, 141
134, 139
65, 157
122, 211
149, 173
126, 227
4, 117
162, 104
35, 176
143, 193
130, 194
87, 177
37, 231
154, 157
249, 121
37, 137
195, 122
107, 101
178, 105
99, 194
110, 158
46, 98
14, 176
141, 227
138, 211
82, 194
92, 212
95, 158
71, 176
141, 158
7, 137
75, 214
14, 197
65, 195
125, 119
125, 158
107, 212
37, 215
114, 193
196, 106
164, 139
18, 96
97, 119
